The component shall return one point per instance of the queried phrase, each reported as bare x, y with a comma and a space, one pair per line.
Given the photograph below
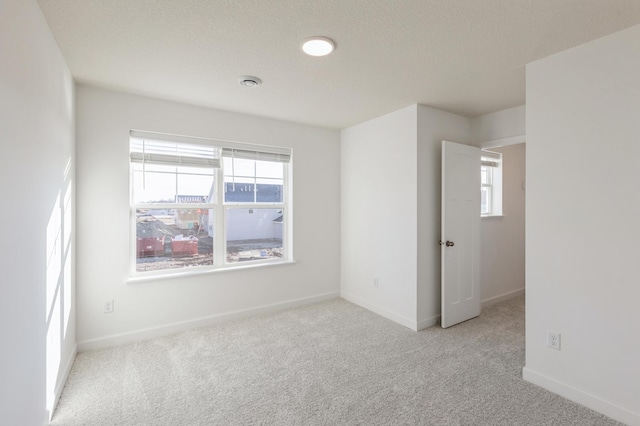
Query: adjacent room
207, 220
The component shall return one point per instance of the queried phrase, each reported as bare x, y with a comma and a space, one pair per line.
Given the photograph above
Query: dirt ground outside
237, 251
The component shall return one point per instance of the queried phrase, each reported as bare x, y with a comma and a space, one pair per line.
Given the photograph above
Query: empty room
326, 212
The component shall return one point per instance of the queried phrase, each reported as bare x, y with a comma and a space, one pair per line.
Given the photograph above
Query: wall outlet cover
553, 340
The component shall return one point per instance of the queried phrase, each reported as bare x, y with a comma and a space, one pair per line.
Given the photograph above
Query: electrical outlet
108, 306
553, 340
376, 283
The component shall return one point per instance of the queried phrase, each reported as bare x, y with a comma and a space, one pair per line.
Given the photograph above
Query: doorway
502, 237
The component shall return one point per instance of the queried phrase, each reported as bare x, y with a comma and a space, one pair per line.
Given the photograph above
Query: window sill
491, 216
196, 272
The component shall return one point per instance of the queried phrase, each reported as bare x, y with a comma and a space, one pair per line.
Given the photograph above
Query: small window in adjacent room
204, 204
491, 184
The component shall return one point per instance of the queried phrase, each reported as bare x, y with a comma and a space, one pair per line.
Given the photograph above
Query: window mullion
176, 180
255, 182
219, 231
133, 239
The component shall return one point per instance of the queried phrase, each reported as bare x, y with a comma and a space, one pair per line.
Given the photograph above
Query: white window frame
218, 206
255, 205
492, 163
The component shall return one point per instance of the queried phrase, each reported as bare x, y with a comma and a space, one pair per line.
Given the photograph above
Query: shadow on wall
58, 284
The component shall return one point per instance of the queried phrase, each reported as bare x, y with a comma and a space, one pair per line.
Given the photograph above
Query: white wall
149, 308
499, 128
37, 314
379, 215
502, 257
434, 126
583, 227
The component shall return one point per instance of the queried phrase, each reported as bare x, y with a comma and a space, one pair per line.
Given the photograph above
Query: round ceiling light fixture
318, 46
249, 81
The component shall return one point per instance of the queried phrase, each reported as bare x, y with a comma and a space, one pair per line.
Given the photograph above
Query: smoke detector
250, 81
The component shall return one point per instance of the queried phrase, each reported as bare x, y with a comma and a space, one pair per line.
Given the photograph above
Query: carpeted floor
332, 363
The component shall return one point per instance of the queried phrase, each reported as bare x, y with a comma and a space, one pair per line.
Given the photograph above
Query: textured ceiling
463, 56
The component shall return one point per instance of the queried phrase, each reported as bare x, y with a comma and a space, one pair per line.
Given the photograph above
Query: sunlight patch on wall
53, 255
59, 276
67, 214
53, 354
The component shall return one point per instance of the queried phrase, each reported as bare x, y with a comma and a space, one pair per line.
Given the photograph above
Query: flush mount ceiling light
249, 81
318, 46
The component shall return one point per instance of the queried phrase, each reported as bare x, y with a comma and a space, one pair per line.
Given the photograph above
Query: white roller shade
149, 151
490, 159
282, 156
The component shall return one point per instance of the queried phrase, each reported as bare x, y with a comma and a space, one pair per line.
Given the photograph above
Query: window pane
154, 183
269, 169
241, 167
239, 192
154, 187
485, 200
486, 175
173, 238
269, 193
226, 165
242, 187
254, 234
200, 186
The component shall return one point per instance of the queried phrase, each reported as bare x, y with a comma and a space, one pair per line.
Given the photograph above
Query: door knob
449, 244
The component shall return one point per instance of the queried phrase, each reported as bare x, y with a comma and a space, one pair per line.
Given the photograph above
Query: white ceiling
463, 56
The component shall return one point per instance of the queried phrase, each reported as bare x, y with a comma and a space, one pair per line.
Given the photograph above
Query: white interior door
460, 235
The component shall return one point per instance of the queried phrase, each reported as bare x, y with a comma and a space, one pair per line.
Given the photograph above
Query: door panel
460, 235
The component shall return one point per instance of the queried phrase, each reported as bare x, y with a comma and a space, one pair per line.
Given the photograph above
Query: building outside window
203, 205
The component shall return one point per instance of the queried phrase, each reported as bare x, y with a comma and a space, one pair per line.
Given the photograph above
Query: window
491, 184
206, 204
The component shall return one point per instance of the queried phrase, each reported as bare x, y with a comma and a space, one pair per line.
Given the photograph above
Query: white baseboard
502, 297
583, 398
63, 381
163, 330
413, 325
429, 322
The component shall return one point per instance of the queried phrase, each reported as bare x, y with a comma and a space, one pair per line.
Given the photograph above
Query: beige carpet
328, 364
